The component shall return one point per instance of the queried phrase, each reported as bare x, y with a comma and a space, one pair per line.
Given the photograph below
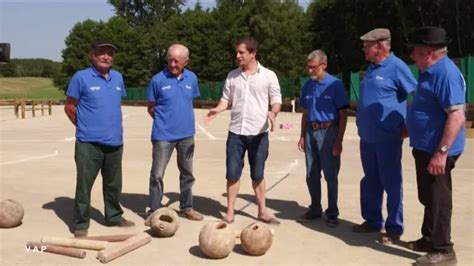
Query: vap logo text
35, 249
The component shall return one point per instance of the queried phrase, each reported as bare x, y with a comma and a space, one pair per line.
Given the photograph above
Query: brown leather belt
318, 126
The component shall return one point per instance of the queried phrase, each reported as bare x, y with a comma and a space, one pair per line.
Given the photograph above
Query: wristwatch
443, 149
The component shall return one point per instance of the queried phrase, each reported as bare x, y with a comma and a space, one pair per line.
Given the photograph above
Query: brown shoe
80, 233
421, 245
192, 214
122, 223
437, 258
364, 228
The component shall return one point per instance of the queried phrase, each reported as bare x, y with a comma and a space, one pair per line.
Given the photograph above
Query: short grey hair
184, 50
318, 54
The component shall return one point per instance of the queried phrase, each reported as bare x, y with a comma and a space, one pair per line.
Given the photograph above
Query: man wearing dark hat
93, 105
436, 128
380, 120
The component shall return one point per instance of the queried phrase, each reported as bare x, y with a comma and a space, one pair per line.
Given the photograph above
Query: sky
37, 28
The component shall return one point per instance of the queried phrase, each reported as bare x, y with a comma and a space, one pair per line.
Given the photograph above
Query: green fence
213, 90
290, 87
466, 66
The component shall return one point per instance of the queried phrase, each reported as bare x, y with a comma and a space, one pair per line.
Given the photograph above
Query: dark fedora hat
429, 36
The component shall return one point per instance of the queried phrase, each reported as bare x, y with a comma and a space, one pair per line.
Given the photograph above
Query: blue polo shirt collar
168, 74
436, 65
96, 73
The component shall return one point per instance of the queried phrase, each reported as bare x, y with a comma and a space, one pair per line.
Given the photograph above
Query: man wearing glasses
324, 102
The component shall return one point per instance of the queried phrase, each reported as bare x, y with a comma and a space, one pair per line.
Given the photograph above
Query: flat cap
378, 34
102, 43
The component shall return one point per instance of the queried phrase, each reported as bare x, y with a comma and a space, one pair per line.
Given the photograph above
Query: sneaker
364, 228
421, 245
437, 258
332, 222
308, 217
122, 223
192, 214
80, 233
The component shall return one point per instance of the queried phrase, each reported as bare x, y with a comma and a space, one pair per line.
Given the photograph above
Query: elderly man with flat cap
436, 126
380, 121
94, 107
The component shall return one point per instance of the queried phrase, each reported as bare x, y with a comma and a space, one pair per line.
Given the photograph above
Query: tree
146, 12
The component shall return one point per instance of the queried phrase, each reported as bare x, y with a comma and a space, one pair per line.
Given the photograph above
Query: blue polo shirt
173, 98
439, 87
381, 109
323, 99
99, 113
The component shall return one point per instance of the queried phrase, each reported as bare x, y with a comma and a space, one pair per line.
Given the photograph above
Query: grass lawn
29, 88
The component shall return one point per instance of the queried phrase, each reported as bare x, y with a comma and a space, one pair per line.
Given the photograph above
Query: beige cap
378, 34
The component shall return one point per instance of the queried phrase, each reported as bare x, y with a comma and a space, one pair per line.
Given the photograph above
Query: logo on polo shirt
327, 97
94, 88
118, 88
378, 78
166, 88
188, 87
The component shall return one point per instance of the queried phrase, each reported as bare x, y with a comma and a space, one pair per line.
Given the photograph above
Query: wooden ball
164, 222
216, 240
256, 239
11, 213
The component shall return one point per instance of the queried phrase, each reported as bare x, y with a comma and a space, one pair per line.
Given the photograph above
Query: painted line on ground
203, 130
32, 158
286, 175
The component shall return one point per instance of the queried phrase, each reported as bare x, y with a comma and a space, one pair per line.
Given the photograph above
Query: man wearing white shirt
249, 89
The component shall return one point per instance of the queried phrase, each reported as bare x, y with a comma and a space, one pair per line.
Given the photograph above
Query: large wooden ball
216, 240
164, 222
256, 238
11, 213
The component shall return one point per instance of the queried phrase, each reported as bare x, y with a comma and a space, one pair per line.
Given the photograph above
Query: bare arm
221, 106
454, 123
151, 109
337, 148
276, 107
70, 109
303, 130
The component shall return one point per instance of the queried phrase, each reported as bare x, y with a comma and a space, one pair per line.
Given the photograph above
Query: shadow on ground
63, 207
137, 203
371, 240
290, 210
284, 209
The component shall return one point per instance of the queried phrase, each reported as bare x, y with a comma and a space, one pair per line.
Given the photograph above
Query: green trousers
90, 158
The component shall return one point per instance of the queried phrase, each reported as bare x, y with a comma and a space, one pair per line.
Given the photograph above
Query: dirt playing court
37, 169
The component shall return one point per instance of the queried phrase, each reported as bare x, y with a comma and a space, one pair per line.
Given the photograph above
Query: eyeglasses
313, 67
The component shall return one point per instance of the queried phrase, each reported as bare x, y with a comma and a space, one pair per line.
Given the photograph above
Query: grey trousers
162, 151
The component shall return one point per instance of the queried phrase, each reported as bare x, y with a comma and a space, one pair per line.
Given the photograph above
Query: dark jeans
318, 146
90, 158
435, 193
162, 151
236, 146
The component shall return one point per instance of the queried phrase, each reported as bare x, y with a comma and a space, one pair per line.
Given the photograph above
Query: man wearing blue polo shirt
170, 104
380, 122
323, 123
93, 105
436, 126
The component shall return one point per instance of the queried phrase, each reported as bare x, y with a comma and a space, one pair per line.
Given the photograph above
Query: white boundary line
32, 158
203, 130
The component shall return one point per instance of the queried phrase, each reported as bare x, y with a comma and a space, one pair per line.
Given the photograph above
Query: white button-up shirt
250, 97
